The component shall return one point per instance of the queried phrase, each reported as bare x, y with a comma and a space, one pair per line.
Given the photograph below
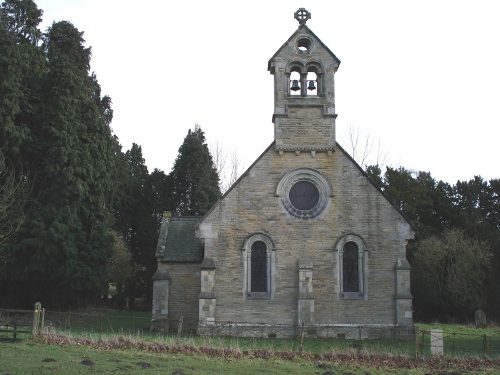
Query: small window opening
295, 83
303, 45
312, 83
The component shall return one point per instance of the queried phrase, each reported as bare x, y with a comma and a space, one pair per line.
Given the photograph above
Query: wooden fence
15, 323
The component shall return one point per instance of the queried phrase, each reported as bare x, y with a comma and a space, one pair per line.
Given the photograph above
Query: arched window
258, 255
352, 268
259, 267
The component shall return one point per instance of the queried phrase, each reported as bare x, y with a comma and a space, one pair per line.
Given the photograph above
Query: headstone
127, 302
437, 342
480, 319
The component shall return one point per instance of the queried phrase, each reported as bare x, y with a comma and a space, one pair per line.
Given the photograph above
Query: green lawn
30, 358
27, 357
119, 342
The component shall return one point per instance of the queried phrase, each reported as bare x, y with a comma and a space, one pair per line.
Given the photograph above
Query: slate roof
177, 241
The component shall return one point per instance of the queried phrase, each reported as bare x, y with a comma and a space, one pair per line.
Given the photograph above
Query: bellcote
304, 95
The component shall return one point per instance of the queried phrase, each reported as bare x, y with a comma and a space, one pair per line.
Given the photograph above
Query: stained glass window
259, 267
350, 269
304, 195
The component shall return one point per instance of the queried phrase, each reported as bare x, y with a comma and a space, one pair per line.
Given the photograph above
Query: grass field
120, 343
78, 357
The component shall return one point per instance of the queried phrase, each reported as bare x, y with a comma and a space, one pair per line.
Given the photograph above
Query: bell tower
304, 95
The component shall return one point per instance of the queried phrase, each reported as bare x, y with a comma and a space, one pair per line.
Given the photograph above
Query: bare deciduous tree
228, 165
361, 148
11, 197
120, 269
457, 266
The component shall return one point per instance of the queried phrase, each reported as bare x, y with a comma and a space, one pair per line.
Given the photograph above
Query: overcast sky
422, 77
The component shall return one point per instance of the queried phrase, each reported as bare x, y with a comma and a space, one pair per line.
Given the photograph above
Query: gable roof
340, 148
403, 215
177, 241
308, 30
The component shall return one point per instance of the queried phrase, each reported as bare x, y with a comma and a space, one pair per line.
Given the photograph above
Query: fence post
416, 344
301, 342
295, 335
179, 328
100, 325
422, 344
43, 320
36, 319
485, 346
453, 345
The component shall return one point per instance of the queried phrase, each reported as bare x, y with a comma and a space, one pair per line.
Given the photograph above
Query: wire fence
100, 323
24, 324
316, 338
456, 344
104, 323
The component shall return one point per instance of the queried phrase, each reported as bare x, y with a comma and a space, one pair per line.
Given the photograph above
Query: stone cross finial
302, 15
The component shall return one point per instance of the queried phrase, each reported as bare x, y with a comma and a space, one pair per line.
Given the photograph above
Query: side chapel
303, 237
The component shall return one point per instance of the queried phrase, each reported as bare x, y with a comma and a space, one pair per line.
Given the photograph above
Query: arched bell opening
312, 83
295, 85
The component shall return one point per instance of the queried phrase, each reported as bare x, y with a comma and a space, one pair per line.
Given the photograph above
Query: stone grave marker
480, 319
437, 347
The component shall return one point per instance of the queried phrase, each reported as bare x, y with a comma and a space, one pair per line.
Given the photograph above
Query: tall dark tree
161, 194
439, 210
22, 65
195, 180
475, 201
21, 19
452, 270
137, 223
62, 249
424, 201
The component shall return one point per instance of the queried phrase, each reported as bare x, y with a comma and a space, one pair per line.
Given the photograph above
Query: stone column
161, 285
305, 297
207, 300
404, 313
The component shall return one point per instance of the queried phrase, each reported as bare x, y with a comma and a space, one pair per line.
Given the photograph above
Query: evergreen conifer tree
194, 177
59, 130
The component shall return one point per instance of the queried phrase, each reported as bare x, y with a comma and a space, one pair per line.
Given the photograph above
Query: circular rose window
304, 193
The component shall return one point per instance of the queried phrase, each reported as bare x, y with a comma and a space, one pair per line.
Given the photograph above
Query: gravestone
437, 342
480, 319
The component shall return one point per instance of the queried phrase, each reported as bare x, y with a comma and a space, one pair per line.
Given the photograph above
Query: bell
295, 85
311, 86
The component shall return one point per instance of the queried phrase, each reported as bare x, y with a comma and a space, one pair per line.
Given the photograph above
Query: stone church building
303, 237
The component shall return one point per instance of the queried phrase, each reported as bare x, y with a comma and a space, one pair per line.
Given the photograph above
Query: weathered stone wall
183, 295
356, 207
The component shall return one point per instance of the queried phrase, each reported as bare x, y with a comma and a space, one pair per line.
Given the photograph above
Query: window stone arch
294, 74
315, 68
259, 267
352, 268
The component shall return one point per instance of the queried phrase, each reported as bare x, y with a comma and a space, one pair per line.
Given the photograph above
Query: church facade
302, 238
